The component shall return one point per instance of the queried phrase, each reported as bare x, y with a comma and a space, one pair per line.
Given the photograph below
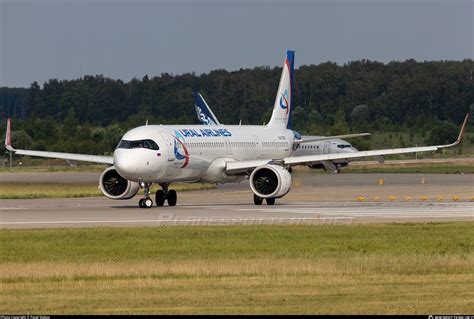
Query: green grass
70, 190
386, 268
438, 168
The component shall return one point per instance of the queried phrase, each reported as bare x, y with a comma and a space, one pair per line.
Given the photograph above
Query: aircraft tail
203, 111
281, 116
8, 136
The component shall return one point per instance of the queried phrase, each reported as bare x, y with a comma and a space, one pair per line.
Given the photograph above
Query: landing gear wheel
147, 202
257, 200
270, 201
160, 197
172, 197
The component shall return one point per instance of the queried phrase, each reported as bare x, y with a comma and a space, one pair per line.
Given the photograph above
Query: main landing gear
164, 194
257, 200
161, 196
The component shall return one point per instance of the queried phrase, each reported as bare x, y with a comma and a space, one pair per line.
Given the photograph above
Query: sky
64, 39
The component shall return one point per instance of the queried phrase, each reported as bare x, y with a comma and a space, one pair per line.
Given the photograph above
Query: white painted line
194, 220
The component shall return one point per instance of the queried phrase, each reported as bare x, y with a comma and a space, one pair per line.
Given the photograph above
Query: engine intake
115, 186
270, 181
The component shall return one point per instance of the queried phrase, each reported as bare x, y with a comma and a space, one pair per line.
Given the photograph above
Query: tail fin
203, 111
281, 116
8, 137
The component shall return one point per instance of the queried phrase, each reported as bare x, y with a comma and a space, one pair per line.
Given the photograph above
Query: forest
427, 100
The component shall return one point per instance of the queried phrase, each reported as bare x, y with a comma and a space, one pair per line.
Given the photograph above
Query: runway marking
194, 220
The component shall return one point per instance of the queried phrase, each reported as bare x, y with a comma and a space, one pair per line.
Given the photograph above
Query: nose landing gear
166, 195
147, 201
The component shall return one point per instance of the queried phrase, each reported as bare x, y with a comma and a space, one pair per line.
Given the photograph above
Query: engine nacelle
216, 172
270, 181
115, 186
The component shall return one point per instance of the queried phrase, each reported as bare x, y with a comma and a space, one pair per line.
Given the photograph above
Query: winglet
461, 133
463, 128
8, 137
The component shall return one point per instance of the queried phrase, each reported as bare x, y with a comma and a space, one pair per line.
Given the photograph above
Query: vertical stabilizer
8, 137
203, 111
281, 116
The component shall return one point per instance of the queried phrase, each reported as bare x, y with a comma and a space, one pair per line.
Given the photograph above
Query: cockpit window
344, 145
149, 144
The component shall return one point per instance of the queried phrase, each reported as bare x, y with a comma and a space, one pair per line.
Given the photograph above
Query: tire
160, 197
172, 197
257, 200
141, 204
147, 203
270, 201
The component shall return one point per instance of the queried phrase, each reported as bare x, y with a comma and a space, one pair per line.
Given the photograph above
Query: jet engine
115, 186
270, 181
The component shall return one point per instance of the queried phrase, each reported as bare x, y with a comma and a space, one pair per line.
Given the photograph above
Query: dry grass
387, 269
367, 285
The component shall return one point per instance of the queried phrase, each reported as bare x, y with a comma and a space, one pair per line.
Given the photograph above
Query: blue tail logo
203, 111
284, 100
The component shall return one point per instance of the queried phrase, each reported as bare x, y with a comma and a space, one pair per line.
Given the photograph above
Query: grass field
443, 168
363, 269
68, 190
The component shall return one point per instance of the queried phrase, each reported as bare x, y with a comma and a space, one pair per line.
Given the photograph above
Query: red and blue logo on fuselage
179, 143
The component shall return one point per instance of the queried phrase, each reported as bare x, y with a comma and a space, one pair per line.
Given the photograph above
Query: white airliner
164, 154
320, 145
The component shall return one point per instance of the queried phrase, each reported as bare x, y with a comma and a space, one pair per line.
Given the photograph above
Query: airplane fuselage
187, 152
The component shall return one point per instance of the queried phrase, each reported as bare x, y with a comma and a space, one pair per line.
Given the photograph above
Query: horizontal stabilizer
310, 139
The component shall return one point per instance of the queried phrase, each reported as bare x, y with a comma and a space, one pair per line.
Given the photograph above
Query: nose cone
136, 164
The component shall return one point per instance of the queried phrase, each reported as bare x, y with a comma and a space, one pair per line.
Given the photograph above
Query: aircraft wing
309, 139
66, 156
244, 166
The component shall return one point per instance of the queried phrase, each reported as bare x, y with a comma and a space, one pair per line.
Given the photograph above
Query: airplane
165, 154
326, 144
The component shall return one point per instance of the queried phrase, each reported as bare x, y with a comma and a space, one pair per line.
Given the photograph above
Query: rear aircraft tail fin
203, 111
8, 137
281, 116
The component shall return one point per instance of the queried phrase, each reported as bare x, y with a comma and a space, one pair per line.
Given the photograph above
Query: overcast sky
40, 40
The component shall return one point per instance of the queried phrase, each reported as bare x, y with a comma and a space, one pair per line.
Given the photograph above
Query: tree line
90, 114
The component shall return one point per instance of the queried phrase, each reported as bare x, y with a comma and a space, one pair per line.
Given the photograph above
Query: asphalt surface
314, 199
